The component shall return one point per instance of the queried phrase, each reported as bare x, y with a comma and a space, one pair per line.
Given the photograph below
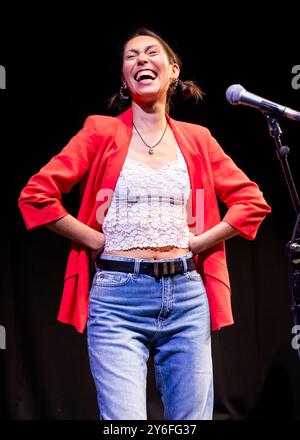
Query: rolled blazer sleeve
246, 205
40, 200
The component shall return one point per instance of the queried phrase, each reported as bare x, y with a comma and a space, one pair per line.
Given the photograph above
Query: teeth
147, 73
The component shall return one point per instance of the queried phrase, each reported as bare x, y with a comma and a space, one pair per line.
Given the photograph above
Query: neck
149, 118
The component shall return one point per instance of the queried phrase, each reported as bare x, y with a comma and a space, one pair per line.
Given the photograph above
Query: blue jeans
128, 312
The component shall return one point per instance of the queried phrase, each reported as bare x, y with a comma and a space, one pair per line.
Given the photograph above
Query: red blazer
95, 156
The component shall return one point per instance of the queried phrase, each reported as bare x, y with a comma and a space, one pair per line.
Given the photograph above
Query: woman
150, 223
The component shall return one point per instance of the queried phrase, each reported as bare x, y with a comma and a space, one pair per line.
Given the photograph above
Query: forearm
220, 232
71, 228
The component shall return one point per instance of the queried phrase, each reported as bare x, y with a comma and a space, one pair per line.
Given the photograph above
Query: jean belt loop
137, 263
184, 265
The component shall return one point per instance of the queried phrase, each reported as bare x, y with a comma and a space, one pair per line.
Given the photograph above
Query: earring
123, 92
174, 84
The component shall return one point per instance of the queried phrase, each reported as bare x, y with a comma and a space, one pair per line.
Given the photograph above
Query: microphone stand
293, 246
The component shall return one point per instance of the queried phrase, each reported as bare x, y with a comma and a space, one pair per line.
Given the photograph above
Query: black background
63, 67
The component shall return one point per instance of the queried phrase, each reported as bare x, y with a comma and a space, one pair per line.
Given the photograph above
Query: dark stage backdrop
56, 75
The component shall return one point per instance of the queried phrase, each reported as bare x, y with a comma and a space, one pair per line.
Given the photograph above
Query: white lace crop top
148, 207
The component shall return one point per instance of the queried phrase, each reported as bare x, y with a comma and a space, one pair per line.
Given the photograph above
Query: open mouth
145, 74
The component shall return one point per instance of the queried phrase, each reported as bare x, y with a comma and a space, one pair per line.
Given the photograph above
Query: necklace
150, 147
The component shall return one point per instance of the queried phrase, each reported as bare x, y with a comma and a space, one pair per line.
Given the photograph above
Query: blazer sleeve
40, 200
246, 205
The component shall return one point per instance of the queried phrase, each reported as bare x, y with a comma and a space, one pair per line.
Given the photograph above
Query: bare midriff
153, 253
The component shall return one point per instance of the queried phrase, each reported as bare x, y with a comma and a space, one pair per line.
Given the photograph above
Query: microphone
236, 94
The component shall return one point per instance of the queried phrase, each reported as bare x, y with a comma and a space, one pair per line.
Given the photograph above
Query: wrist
98, 242
199, 244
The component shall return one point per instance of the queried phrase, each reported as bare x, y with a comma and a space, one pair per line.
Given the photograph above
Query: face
147, 71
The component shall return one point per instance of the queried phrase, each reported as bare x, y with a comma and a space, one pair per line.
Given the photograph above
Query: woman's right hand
97, 249
94, 254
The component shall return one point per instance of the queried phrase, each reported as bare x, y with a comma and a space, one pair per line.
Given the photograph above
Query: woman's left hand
195, 243
218, 233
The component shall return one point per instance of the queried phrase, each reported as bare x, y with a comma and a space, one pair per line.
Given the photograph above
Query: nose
142, 58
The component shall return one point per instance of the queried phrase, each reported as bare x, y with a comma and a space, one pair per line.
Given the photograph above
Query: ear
175, 70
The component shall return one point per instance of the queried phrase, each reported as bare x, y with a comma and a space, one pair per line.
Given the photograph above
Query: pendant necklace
150, 147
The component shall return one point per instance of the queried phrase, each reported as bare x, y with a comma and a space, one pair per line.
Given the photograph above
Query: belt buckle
172, 268
167, 268
164, 268
155, 269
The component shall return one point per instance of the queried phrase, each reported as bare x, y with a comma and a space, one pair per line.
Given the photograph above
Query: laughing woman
147, 266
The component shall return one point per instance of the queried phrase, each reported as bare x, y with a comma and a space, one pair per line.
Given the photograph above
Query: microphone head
233, 93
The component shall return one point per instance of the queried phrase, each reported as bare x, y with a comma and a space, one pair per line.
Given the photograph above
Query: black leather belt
154, 269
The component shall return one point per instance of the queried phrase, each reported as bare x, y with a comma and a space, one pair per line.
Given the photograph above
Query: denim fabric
128, 313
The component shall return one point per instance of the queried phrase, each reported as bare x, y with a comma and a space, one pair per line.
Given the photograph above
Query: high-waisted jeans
128, 313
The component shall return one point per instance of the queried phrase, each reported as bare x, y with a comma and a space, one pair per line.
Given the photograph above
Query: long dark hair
178, 89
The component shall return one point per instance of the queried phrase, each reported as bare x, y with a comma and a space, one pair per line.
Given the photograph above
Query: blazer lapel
117, 154
191, 153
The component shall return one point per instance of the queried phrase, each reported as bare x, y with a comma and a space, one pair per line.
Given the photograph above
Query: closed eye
134, 53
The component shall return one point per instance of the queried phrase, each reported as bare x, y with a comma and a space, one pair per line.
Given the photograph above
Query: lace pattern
148, 207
